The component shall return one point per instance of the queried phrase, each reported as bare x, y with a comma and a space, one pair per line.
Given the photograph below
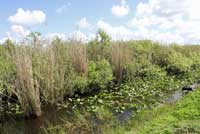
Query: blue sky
65, 21
162, 20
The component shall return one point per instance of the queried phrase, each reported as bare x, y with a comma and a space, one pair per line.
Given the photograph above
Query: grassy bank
182, 117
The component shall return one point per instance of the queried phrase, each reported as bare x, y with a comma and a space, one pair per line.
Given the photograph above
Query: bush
143, 69
99, 48
99, 74
151, 72
7, 71
177, 64
75, 84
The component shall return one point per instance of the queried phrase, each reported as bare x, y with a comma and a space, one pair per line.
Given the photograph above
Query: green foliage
99, 74
103, 38
181, 118
188, 108
143, 69
9, 45
34, 38
99, 48
151, 72
75, 83
127, 75
177, 64
85, 123
143, 49
7, 70
34, 34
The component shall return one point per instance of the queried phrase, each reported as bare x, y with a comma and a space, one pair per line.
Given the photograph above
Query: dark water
55, 117
177, 95
125, 116
34, 126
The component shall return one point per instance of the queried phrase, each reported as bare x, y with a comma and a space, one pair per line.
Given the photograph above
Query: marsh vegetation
95, 81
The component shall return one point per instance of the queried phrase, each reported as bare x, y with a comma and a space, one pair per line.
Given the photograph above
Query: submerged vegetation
100, 78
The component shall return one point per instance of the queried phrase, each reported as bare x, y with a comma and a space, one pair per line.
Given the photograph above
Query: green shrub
7, 70
151, 72
99, 48
143, 69
75, 83
177, 64
99, 74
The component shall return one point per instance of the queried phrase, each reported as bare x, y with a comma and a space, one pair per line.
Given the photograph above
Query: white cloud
91, 36
120, 10
73, 36
3, 40
63, 8
83, 23
28, 18
170, 20
78, 36
145, 21
16, 33
161, 20
164, 37
194, 10
52, 36
116, 32
124, 34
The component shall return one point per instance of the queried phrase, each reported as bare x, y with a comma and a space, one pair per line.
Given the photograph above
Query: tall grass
51, 74
27, 88
59, 64
47, 72
78, 58
121, 55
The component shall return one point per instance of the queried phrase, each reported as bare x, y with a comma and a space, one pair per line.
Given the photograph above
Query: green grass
182, 117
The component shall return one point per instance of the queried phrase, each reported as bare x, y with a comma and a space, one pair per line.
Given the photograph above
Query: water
55, 117
177, 95
34, 126
125, 116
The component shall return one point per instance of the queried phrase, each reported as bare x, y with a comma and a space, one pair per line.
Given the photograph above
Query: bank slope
182, 117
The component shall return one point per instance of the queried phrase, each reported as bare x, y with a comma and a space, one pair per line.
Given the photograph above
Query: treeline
33, 75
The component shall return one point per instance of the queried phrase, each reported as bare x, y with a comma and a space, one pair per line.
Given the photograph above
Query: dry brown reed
27, 88
121, 55
78, 57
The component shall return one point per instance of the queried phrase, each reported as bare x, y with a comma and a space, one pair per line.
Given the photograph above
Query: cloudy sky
161, 20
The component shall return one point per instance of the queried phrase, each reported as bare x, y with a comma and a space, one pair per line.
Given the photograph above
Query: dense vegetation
98, 76
182, 117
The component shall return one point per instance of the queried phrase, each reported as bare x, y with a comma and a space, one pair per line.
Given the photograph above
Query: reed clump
120, 55
27, 88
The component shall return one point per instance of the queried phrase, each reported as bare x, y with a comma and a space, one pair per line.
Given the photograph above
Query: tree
35, 38
98, 48
103, 38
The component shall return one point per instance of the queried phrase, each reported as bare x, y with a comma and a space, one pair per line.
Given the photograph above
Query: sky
167, 21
